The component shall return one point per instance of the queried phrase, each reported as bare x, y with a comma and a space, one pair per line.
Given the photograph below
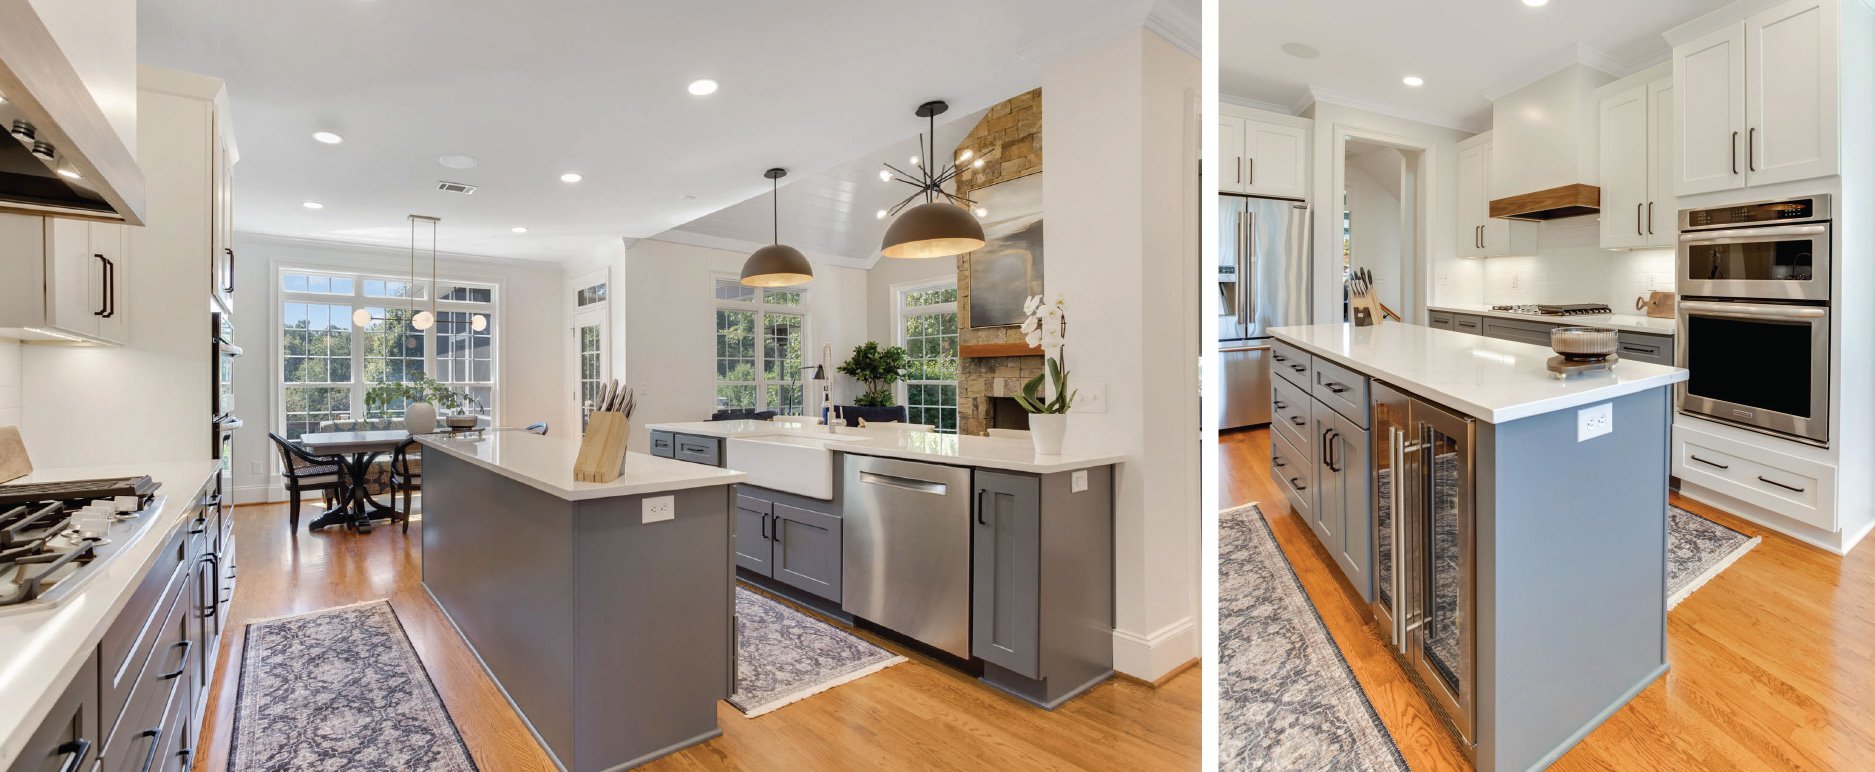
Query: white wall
881, 307
1121, 201
671, 328
1447, 277
9, 382
1375, 224
1571, 267
532, 371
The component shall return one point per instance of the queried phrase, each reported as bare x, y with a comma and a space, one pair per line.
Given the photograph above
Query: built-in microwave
1766, 250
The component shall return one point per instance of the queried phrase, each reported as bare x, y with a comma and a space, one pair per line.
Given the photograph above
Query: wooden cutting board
13, 461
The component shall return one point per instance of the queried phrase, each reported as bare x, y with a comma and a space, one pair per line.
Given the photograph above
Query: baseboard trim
1835, 542
1158, 655
1605, 714
1164, 679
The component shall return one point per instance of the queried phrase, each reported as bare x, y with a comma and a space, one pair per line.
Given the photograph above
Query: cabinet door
1328, 514
1276, 160
1663, 219
1473, 201
69, 736
1230, 155
807, 550
1709, 109
755, 547
1790, 92
74, 278
1353, 472
1006, 578
110, 250
1624, 169
1500, 237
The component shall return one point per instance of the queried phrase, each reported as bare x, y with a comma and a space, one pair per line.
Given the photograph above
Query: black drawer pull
182, 665
1296, 482
1707, 463
1649, 350
1280, 405
1780, 485
1298, 421
74, 753
1278, 463
1299, 368
1336, 387
1279, 357
155, 735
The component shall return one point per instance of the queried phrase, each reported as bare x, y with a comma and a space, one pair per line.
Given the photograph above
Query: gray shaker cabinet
1005, 610
1343, 470
754, 545
807, 550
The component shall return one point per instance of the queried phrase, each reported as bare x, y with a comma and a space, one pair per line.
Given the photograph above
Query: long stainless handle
1762, 479
904, 483
1396, 462
1751, 149
1241, 349
1246, 282
1707, 463
1734, 152
1738, 235
1637, 220
1753, 310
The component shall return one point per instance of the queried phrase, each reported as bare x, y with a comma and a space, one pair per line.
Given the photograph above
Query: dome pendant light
935, 228
776, 265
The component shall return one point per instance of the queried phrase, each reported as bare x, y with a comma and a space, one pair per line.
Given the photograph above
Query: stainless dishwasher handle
904, 483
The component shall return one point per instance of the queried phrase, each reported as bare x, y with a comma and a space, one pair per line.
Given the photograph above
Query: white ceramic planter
1046, 431
420, 418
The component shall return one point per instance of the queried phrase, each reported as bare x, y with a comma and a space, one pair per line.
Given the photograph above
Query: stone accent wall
1009, 140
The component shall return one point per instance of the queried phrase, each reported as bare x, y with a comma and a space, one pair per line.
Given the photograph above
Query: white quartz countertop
1490, 379
1010, 454
546, 463
1625, 322
42, 648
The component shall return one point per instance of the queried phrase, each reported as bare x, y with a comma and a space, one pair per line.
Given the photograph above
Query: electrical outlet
660, 508
1595, 421
1077, 482
255, 469
1091, 397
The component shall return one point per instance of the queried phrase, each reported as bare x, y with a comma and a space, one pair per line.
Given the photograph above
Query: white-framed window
328, 362
927, 328
761, 345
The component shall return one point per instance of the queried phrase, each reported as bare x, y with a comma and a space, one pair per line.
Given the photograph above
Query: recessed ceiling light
458, 161
703, 87
1413, 80
519, 229
327, 137
1301, 50
570, 177
70, 173
1536, 3
313, 205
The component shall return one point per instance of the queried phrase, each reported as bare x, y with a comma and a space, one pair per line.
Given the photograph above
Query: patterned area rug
1287, 698
784, 656
1697, 550
340, 689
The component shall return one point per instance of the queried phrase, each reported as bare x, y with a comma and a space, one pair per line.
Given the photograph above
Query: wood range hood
1565, 201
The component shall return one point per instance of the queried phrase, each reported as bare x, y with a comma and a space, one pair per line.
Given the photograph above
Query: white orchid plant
1045, 328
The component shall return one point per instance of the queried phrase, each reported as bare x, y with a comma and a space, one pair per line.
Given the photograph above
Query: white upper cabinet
70, 280
1262, 158
1637, 142
1479, 234
1755, 100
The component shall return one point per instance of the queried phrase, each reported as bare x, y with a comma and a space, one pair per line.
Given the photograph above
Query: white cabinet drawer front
1293, 472
1793, 487
1291, 363
1341, 389
1289, 413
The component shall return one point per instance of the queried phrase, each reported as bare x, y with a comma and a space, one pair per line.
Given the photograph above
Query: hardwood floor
914, 715
1773, 661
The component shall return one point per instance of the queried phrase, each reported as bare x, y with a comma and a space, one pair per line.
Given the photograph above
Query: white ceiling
831, 216
1460, 47
540, 88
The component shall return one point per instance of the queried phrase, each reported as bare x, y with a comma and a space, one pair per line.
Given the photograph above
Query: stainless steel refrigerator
1263, 282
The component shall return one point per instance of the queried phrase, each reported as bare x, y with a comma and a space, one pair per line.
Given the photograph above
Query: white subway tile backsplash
1571, 267
9, 381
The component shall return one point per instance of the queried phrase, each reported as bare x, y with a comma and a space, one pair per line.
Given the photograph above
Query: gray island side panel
1571, 576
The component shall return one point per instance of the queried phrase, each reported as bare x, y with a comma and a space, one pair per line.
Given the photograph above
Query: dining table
358, 449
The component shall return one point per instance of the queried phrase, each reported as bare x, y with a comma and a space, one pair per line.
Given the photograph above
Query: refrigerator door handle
1247, 272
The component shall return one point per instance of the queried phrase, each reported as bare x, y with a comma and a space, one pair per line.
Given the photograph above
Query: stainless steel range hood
60, 155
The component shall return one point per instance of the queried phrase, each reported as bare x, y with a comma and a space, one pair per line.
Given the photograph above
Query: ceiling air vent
456, 187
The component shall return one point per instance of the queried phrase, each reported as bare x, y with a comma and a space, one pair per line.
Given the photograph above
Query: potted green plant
878, 368
422, 399
1046, 327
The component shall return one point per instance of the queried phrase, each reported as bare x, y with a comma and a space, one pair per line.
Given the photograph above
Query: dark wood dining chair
406, 476
306, 472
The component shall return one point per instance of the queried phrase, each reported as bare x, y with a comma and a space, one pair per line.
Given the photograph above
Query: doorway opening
1380, 222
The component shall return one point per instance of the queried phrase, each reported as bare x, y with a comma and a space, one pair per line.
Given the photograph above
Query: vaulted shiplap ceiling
1462, 48
540, 88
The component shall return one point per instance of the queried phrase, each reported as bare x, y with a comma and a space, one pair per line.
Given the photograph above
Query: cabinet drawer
1341, 389
68, 737
1439, 320
1289, 412
1796, 488
1657, 349
1468, 323
1290, 362
699, 450
1294, 473
151, 694
1534, 333
126, 644
664, 444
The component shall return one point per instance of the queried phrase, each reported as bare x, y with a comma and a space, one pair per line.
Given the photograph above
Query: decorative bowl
460, 421
1582, 343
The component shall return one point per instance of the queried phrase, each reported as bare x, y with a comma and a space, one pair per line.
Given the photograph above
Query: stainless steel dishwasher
906, 561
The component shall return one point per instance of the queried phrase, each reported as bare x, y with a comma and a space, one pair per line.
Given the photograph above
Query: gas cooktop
42, 555
1559, 309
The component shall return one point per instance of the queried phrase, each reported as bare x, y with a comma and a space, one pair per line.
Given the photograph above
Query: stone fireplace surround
994, 362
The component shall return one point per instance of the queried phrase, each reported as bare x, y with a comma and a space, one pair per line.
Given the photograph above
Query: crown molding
373, 249
1320, 94
1258, 104
1178, 22
694, 239
1587, 56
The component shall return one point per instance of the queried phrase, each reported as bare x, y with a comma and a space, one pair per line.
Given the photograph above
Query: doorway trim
1425, 208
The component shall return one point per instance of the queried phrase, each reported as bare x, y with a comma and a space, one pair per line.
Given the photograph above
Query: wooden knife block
601, 456
1366, 311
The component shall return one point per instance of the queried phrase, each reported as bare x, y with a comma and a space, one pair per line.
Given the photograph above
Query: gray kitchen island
604, 611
